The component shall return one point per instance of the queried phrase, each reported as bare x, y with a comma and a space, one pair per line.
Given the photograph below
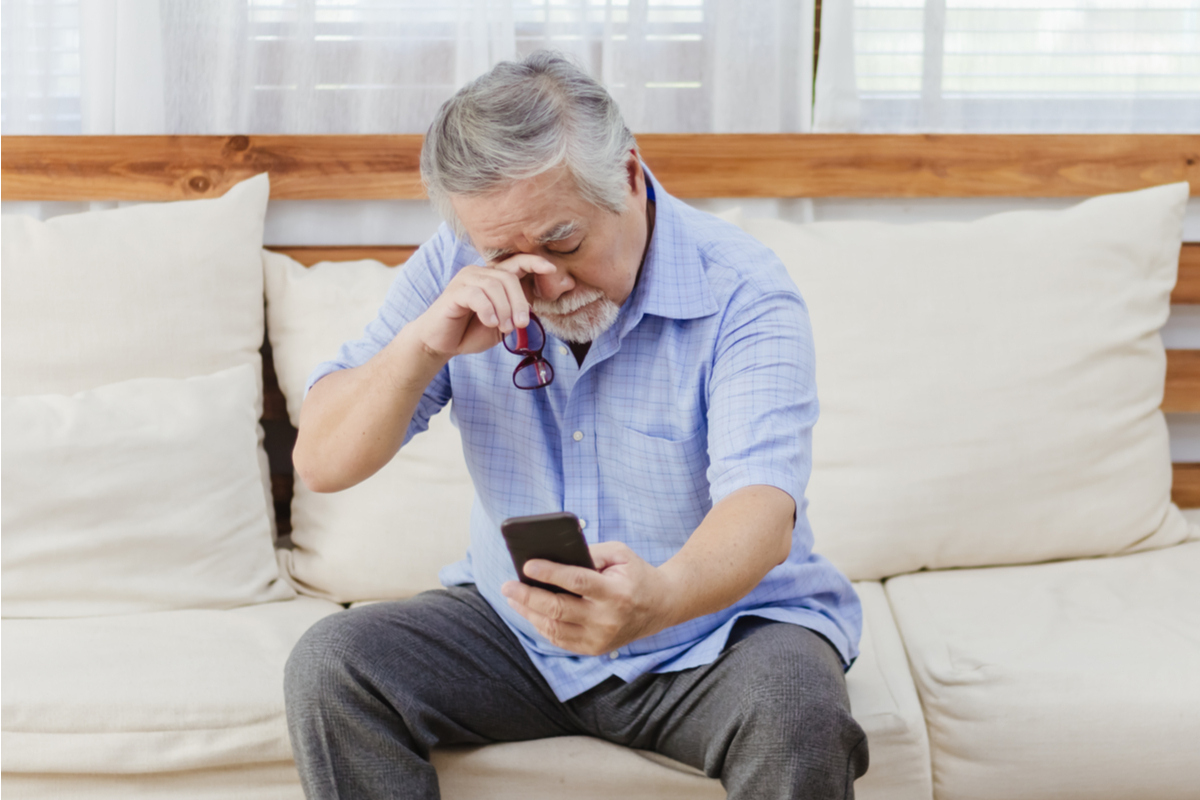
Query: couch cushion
1069, 680
159, 290
578, 767
990, 390
143, 495
173, 690
882, 698
267, 781
388, 536
203, 690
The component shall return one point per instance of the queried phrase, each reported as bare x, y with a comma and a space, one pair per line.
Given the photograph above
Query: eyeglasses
533, 372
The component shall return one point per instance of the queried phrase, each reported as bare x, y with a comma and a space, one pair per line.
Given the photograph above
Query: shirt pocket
657, 488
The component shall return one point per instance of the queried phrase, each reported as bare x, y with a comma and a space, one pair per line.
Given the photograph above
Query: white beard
569, 320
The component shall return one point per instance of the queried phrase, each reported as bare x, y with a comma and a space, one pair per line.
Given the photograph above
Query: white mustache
567, 304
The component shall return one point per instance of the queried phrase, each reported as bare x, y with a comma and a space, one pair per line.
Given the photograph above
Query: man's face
596, 253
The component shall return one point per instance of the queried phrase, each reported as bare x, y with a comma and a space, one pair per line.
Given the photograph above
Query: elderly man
676, 422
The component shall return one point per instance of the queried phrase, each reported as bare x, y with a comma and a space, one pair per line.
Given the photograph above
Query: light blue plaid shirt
703, 385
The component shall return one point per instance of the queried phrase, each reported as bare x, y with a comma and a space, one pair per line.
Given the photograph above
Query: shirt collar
673, 282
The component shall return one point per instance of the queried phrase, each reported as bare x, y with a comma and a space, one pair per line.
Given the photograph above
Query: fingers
558, 617
494, 296
523, 264
561, 633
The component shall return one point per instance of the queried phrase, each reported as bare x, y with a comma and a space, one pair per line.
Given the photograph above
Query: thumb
610, 554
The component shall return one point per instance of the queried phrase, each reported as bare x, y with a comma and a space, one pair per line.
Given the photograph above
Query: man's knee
797, 698
329, 653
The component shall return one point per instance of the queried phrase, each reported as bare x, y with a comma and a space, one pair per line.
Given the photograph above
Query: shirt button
615, 654
562, 351
577, 436
583, 523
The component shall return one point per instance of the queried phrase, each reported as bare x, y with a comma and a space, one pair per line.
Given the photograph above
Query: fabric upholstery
990, 390
143, 495
884, 700
202, 692
150, 693
1067, 680
269, 781
159, 290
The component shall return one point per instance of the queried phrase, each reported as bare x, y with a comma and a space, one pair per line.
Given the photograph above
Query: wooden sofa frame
377, 167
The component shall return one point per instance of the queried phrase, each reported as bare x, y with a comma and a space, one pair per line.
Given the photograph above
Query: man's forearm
354, 421
741, 539
738, 543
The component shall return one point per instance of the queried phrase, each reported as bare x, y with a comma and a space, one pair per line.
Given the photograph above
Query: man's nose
550, 287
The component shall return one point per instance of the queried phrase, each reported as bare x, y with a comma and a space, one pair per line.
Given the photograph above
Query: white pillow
990, 390
139, 496
159, 290
388, 536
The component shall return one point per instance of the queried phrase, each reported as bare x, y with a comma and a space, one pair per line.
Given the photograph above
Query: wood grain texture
855, 165
392, 255
373, 167
1185, 490
194, 167
1187, 288
1182, 393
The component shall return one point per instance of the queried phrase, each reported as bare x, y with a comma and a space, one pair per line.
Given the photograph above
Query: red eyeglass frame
532, 356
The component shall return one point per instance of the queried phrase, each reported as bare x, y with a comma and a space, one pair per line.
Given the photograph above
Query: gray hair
519, 120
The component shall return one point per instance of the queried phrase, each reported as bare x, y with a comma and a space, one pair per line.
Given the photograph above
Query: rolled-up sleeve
762, 397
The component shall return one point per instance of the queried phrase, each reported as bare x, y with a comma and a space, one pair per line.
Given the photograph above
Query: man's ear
633, 169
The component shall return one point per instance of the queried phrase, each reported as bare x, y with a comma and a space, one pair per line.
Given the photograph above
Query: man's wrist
410, 362
671, 605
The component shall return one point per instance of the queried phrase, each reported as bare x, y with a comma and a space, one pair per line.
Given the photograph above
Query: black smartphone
553, 537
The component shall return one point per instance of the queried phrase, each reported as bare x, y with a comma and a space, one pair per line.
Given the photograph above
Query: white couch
991, 468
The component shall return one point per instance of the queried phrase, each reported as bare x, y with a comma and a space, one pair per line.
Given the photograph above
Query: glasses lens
533, 373
526, 341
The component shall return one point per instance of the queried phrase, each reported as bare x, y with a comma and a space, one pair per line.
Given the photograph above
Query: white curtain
384, 66
1012, 66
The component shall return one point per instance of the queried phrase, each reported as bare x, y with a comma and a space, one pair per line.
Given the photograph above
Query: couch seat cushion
882, 698
154, 692
1075, 679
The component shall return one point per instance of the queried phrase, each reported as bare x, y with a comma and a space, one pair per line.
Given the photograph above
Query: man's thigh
444, 661
775, 697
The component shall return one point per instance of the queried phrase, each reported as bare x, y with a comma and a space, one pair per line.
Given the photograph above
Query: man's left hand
624, 599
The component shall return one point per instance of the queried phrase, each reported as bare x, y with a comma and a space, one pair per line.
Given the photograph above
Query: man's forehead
543, 234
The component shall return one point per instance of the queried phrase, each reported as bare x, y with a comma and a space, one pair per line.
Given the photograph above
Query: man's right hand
354, 421
479, 306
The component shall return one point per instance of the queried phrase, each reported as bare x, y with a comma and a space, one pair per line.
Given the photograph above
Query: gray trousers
370, 691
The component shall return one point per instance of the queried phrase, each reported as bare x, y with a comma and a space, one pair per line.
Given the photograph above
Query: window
1020, 65
41, 86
